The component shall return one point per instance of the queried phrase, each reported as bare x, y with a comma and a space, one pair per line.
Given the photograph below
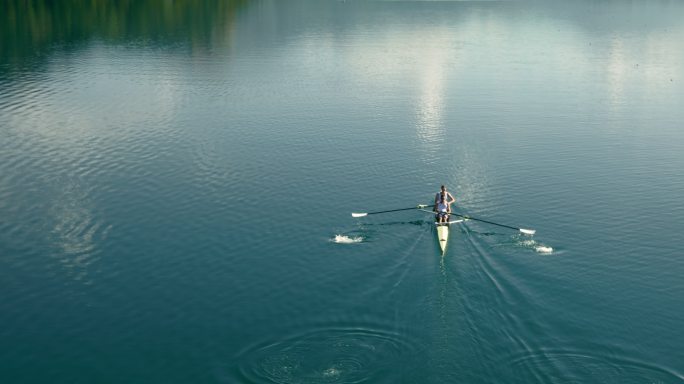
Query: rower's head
443, 188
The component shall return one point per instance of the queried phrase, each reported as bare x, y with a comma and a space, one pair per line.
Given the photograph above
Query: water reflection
617, 71
173, 126
28, 27
432, 75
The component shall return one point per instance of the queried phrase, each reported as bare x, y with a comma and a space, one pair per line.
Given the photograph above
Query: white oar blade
359, 214
528, 231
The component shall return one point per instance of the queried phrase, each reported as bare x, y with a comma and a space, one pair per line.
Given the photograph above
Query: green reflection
29, 27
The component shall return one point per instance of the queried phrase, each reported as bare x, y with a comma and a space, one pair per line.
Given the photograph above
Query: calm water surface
173, 176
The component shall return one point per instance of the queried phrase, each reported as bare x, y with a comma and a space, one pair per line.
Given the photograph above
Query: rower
443, 210
443, 194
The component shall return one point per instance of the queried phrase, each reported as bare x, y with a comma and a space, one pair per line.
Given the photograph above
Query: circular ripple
327, 356
583, 367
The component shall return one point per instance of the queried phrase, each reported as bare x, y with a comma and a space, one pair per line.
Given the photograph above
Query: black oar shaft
485, 221
400, 209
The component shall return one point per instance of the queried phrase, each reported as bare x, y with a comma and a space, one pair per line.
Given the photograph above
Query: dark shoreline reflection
27, 28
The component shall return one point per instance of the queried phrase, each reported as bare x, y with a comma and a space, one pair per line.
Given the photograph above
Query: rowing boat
443, 228
442, 231
442, 235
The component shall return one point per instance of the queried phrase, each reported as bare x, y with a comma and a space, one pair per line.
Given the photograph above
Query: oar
362, 214
522, 230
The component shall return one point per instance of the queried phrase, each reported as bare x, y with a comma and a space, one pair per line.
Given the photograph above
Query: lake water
177, 178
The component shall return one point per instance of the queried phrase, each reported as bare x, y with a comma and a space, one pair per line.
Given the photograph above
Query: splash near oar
344, 239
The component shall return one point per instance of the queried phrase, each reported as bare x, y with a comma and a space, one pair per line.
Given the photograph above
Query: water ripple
78, 230
586, 366
328, 355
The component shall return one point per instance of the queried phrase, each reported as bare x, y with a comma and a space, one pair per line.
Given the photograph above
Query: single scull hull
443, 236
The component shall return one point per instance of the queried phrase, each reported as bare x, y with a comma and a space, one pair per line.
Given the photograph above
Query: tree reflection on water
28, 27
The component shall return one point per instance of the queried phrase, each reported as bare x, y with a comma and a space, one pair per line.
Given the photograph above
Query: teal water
173, 176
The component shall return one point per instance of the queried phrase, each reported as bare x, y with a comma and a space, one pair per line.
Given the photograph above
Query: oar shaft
390, 210
395, 210
489, 222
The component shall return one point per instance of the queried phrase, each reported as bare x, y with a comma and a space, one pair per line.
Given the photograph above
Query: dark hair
442, 187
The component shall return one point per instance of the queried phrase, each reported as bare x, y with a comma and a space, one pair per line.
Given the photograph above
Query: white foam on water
342, 239
543, 249
537, 246
528, 243
331, 372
